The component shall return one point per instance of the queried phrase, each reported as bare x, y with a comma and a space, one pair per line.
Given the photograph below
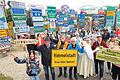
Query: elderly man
96, 44
46, 52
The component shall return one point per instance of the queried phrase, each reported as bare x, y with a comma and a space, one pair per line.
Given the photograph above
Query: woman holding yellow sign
74, 46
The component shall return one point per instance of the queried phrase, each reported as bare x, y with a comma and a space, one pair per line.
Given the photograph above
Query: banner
109, 55
51, 12
3, 22
25, 41
64, 58
3, 33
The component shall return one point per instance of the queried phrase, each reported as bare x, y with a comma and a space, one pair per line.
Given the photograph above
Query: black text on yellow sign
109, 55
3, 33
64, 58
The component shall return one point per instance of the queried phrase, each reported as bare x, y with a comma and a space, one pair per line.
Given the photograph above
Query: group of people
87, 47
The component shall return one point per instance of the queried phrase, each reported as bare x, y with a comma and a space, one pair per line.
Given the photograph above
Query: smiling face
73, 42
47, 43
32, 55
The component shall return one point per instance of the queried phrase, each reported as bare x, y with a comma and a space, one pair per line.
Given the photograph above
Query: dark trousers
70, 71
109, 65
65, 70
46, 70
101, 67
115, 72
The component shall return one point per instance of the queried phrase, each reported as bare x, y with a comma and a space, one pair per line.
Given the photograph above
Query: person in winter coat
32, 64
74, 46
46, 54
99, 43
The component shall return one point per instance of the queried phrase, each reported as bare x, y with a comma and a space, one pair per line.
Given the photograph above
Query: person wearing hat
74, 46
46, 53
99, 43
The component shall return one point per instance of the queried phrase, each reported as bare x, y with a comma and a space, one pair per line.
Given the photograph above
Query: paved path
17, 71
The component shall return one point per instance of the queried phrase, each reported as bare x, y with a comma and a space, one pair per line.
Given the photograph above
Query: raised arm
19, 61
80, 49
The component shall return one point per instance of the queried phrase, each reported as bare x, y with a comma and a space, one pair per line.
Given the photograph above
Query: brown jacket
96, 44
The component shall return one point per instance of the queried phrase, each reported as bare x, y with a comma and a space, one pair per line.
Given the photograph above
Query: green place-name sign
19, 17
51, 12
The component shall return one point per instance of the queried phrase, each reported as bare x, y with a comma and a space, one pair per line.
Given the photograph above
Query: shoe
60, 75
76, 77
71, 78
96, 75
101, 78
65, 75
108, 72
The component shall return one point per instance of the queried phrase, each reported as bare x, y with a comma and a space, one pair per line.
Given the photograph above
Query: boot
76, 77
65, 75
60, 74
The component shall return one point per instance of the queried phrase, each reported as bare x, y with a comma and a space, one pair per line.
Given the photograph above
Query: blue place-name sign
18, 11
36, 12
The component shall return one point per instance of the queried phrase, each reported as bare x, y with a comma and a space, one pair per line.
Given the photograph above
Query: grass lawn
2, 77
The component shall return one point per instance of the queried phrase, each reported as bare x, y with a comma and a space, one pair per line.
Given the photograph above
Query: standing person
46, 52
116, 68
96, 44
32, 64
61, 44
111, 44
74, 46
87, 60
105, 35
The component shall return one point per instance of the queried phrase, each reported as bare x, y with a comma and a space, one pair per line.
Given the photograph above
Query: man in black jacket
46, 52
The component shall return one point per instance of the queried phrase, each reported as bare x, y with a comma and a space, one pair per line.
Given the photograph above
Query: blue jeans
101, 67
35, 77
46, 70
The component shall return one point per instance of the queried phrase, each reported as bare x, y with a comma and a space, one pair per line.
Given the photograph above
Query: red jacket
96, 44
40, 41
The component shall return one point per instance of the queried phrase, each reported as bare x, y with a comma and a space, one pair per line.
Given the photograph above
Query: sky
73, 4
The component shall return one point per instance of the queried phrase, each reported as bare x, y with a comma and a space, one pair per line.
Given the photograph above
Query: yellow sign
3, 33
64, 58
109, 55
110, 13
